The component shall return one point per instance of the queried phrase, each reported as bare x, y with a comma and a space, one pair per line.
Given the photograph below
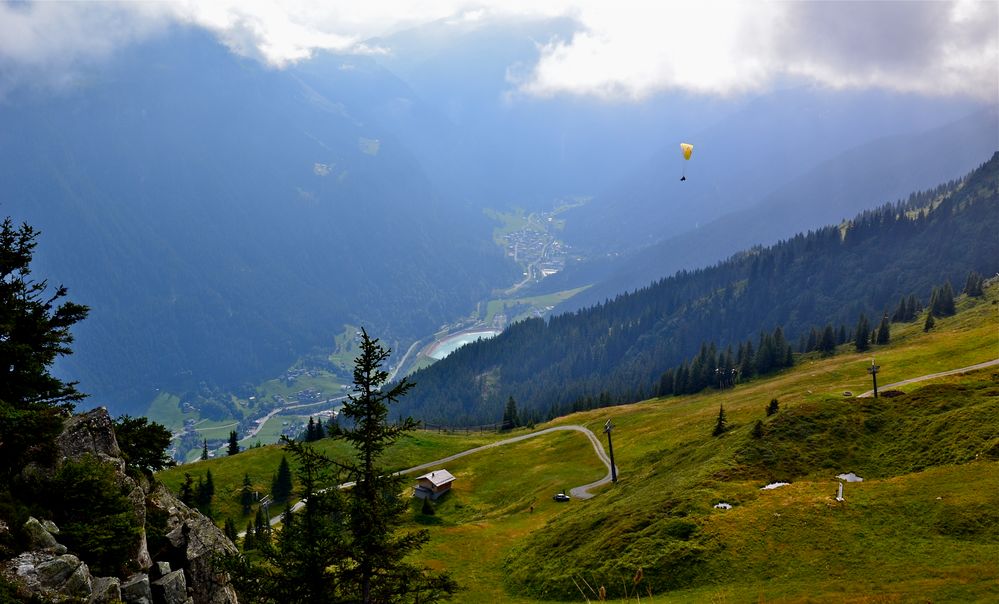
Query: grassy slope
923, 526
793, 544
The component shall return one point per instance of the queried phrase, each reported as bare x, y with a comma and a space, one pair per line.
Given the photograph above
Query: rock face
192, 543
183, 571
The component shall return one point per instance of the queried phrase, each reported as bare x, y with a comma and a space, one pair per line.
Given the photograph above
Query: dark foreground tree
510, 418
143, 443
34, 330
346, 546
281, 486
721, 424
233, 443
375, 508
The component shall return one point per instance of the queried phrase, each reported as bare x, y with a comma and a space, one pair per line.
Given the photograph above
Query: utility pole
873, 370
610, 445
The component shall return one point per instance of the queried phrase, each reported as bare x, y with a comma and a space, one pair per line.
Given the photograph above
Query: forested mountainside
622, 347
223, 219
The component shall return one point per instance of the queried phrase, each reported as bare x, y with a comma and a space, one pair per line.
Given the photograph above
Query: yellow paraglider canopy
686, 149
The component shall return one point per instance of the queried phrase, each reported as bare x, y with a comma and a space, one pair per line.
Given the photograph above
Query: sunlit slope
922, 525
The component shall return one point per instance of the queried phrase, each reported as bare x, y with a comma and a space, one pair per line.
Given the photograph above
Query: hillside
620, 348
224, 219
922, 525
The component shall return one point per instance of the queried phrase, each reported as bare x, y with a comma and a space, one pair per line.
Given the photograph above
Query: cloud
634, 49
625, 50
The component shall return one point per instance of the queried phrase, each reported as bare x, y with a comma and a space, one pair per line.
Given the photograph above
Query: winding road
580, 492
931, 376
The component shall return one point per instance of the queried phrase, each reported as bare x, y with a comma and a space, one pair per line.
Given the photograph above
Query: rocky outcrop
182, 570
49, 576
193, 542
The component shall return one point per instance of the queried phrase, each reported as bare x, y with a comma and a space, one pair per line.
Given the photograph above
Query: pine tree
773, 407
246, 495
757, 429
720, 425
229, 528
34, 331
249, 542
281, 486
974, 286
233, 443
261, 529
928, 325
204, 492
374, 506
510, 419
884, 333
187, 491
861, 340
827, 343
204, 450
310, 431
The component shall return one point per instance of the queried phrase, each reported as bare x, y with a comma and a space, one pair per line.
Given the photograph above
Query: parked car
561, 497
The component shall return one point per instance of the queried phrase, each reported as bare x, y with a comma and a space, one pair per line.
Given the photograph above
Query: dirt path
580, 492
870, 393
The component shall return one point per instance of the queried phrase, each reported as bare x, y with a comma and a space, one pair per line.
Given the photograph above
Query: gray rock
38, 537
171, 588
162, 569
196, 541
91, 432
49, 577
136, 590
50, 527
106, 590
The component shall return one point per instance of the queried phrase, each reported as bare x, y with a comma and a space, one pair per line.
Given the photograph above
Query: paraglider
686, 149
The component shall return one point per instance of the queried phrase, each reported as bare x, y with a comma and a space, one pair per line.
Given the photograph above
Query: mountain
857, 179
620, 348
222, 219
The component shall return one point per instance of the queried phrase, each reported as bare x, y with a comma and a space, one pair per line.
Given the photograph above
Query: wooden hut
433, 485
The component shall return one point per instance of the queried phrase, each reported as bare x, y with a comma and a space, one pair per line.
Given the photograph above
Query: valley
915, 509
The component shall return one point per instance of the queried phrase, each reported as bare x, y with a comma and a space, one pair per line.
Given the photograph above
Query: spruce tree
246, 495
773, 407
861, 340
721, 424
249, 542
827, 343
884, 333
233, 443
928, 325
974, 286
187, 491
510, 419
379, 551
229, 528
35, 327
281, 486
204, 450
757, 429
310, 431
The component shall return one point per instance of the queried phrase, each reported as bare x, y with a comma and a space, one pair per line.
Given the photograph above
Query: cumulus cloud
623, 50
632, 49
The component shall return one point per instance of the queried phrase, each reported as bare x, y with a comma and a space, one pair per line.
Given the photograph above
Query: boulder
193, 541
171, 588
91, 432
106, 590
136, 590
38, 537
50, 577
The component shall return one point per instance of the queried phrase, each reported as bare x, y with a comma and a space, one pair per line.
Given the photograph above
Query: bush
95, 516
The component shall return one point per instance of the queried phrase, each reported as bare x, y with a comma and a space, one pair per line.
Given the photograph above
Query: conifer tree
281, 486
187, 491
34, 331
721, 424
246, 495
928, 325
773, 407
249, 543
827, 343
204, 450
884, 333
229, 528
758, 429
378, 549
861, 340
510, 419
233, 443
974, 286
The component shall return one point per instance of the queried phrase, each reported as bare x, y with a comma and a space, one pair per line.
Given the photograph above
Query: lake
451, 343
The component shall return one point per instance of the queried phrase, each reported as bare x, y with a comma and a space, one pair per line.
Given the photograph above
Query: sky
623, 51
